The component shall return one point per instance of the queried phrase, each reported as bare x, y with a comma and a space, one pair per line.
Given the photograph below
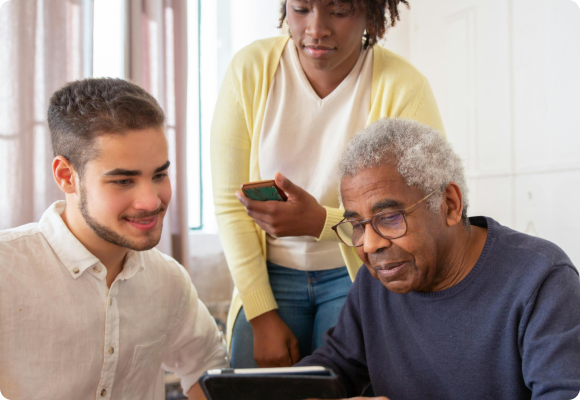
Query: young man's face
125, 191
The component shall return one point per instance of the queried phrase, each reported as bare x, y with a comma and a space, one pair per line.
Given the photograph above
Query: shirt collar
134, 263
74, 256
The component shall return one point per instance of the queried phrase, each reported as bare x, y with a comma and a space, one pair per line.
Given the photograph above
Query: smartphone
263, 191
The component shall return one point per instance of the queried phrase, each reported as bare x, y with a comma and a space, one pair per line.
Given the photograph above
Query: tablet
294, 383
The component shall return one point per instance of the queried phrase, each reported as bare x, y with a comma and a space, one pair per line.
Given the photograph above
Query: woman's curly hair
377, 22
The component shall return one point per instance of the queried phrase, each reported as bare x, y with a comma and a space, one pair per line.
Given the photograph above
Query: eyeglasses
388, 224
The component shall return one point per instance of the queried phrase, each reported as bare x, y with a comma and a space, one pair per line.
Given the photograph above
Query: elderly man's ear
452, 204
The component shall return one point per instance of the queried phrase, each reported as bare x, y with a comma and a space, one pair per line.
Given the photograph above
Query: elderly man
448, 307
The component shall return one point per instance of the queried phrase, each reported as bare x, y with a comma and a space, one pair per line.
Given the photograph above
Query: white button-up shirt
65, 335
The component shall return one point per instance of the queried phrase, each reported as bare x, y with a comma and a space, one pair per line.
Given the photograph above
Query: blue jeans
308, 302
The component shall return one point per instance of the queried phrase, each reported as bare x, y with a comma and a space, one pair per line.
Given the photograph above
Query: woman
286, 109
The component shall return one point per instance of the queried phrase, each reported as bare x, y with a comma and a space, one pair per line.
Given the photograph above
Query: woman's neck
325, 81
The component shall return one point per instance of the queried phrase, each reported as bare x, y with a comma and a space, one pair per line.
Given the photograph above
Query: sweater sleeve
333, 217
230, 165
424, 109
344, 349
401, 91
549, 337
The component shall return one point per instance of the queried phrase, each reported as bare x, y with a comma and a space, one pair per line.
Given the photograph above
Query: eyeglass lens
389, 225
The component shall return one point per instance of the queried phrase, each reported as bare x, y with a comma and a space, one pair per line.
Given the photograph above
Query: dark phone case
228, 386
263, 194
263, 191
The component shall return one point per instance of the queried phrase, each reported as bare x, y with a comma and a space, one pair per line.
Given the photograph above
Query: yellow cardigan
398, 90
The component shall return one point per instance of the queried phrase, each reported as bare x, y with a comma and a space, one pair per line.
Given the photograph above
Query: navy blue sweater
509, 330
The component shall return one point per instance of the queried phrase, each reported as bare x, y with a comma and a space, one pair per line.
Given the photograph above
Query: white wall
506, 75
108, 47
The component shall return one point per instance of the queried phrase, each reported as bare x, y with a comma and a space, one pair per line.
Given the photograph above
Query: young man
88, 307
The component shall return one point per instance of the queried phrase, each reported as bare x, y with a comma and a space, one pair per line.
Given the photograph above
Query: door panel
506, 78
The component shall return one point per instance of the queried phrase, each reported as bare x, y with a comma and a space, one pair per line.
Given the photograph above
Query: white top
64, 335
303, 137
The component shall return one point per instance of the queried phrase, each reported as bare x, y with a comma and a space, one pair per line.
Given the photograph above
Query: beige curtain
40, 50
157, 60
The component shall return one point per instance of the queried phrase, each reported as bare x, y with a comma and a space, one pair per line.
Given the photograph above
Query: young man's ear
64, 173
453, 199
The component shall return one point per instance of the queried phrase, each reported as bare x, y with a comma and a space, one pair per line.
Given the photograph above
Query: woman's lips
389, 270
144, 224
318, 52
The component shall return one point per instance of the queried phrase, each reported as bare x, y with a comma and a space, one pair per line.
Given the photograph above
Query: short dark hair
376, 16
82, 110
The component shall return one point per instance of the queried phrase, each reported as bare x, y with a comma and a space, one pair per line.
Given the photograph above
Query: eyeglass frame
403, 212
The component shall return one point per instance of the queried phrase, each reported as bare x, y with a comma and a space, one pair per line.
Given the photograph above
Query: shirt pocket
144, 369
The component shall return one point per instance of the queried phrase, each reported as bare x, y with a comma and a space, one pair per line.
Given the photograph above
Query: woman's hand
300, 215
274, 343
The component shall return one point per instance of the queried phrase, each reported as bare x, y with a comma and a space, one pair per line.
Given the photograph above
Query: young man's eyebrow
123, 172
130, 172
163, 167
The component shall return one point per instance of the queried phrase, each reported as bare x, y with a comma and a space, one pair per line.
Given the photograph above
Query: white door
506, 75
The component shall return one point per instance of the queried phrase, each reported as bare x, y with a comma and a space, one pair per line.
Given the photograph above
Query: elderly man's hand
300, 215
195, 393
362, 398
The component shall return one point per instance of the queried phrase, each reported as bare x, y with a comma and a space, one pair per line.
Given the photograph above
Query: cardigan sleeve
424, 109
399, 90
333, 217
230, 165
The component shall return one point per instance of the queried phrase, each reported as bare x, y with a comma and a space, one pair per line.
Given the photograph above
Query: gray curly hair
423, 157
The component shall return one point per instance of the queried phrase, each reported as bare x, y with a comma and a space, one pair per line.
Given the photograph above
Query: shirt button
96, 269
76, 270
111, 350
103, 392
111, 301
